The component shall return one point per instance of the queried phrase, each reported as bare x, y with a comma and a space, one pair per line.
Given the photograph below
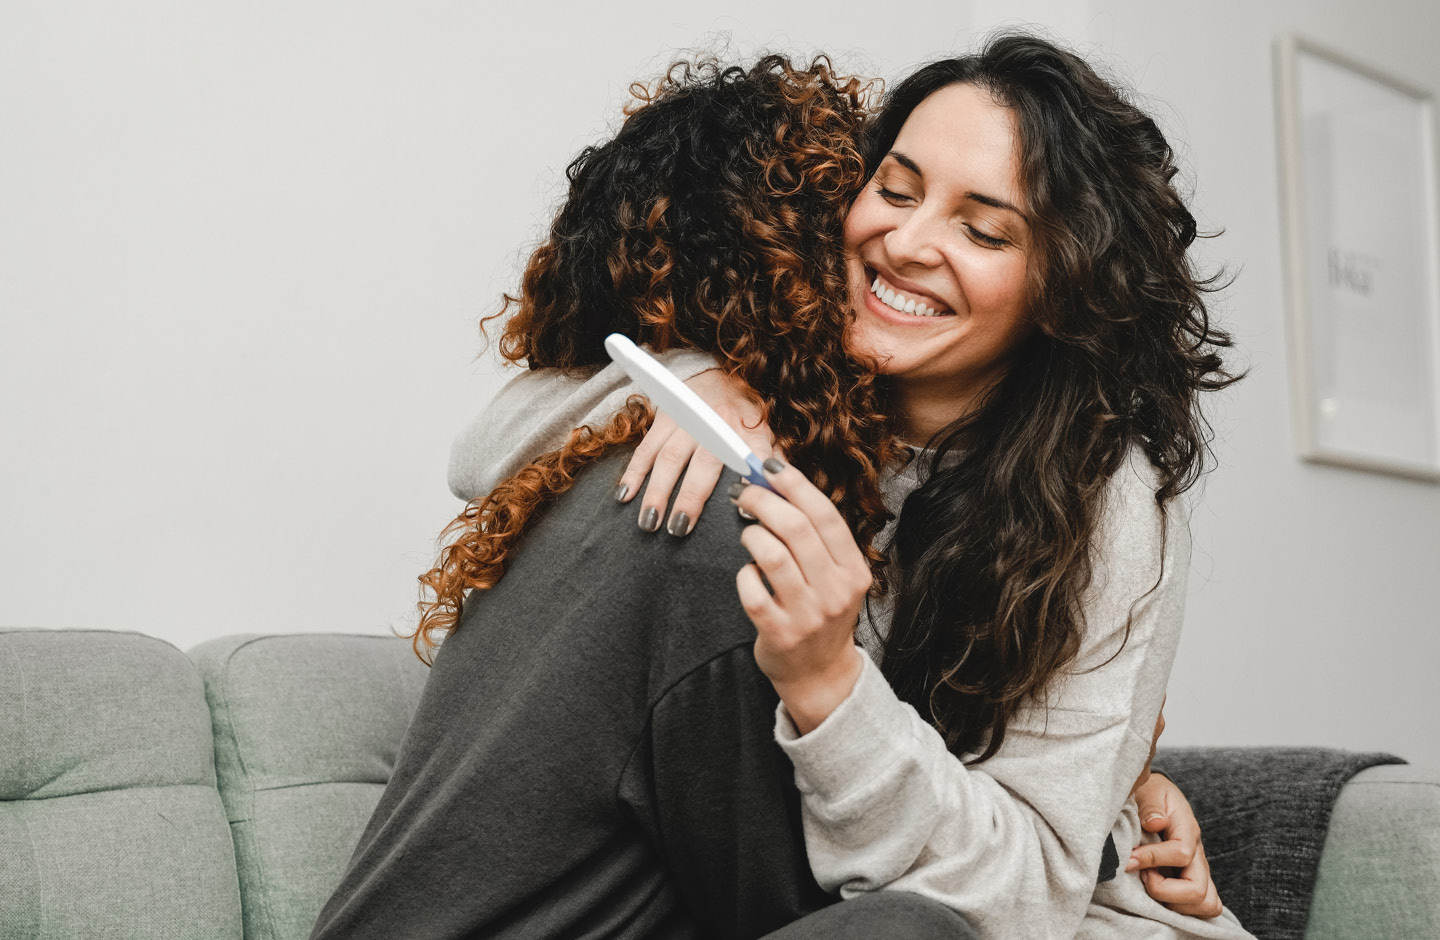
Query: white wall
243, 249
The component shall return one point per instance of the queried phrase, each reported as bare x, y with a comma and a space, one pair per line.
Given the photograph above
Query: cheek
863, 221
998, 288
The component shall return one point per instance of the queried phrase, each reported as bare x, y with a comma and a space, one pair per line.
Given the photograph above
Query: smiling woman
937, 251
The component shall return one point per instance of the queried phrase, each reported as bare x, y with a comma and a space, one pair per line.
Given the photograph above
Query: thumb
1154, 822
1152, 806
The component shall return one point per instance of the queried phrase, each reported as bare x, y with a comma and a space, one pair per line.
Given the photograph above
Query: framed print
1357, 152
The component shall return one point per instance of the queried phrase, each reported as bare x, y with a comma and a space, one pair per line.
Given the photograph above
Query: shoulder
1133, 529
1140, 561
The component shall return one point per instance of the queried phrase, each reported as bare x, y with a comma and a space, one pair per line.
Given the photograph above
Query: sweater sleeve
534, 412
1013, 844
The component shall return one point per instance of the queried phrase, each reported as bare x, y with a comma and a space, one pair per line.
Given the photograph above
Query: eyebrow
981, 198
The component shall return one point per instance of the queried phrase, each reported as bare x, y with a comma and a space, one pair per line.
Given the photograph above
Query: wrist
810, 699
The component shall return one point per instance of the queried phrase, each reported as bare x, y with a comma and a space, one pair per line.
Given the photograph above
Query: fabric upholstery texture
306, 730
1379, 878
110, 823
1264, 813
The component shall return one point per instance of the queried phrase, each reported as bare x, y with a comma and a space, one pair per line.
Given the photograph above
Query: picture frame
1362, 259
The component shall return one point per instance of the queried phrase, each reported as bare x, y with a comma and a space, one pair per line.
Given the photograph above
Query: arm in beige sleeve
536, 410
1013, 844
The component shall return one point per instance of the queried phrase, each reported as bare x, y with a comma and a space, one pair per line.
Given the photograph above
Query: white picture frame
1362, 258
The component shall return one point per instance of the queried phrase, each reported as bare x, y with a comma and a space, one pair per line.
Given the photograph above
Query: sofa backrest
110, 822
306, 730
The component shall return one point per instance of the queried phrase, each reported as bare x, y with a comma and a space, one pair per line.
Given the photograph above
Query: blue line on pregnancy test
687, 409
757, 471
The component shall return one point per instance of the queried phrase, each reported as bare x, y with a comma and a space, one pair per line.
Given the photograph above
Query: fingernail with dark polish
650, 519
622, 491
735, 490
679, 524
773, 464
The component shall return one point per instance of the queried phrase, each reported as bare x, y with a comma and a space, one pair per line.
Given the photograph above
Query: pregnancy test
686, 409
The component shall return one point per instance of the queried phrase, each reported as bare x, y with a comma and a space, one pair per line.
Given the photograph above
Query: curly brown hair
713, 219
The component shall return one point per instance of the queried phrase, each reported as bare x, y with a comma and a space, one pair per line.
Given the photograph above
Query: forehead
961, 138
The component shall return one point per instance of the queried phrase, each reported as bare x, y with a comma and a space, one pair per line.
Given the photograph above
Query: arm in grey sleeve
536, 410
1013, 844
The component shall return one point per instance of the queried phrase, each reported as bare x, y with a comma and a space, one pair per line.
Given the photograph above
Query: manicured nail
773, 465
1133, 864
735, 490
679, 524
650, 519
622, 491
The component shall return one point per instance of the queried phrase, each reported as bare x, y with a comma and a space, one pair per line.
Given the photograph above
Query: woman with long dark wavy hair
1037, 567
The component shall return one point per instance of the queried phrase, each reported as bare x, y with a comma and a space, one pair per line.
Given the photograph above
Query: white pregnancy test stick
687, 409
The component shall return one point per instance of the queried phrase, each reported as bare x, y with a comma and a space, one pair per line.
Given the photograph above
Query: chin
867, 344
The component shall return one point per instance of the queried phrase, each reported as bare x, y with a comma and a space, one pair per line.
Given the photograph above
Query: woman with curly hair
592, 755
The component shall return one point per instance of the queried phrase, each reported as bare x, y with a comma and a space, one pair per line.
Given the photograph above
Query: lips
901, 302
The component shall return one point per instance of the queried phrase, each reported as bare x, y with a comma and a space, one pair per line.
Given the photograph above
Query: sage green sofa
147, 794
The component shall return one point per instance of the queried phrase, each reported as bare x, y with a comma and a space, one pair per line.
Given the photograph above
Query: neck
929, 408
932, 404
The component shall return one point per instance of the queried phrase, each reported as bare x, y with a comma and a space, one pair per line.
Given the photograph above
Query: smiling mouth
900, 302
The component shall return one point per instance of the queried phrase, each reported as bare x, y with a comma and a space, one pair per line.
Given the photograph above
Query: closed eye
989, 241
891, 196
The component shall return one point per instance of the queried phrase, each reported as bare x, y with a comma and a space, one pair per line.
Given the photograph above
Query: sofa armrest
1379, 874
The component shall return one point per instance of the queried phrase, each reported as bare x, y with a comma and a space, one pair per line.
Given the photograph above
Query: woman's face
941, 232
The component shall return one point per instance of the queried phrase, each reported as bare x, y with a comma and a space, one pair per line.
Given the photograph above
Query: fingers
776, 560
1211, 906
700, 478
759, 606
663, 457
643, 459
1192, 892
802, 516
670, 462
1168, 854
1179, 848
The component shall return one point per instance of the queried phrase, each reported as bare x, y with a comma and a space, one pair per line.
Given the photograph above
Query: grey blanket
1264, 813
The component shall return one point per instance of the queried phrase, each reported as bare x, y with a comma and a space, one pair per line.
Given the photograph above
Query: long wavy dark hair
992, 552
713, 219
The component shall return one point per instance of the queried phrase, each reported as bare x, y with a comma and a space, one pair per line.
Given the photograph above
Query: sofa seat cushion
110, 822
306, 731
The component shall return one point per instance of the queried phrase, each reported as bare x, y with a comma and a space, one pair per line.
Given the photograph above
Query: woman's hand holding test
818, 578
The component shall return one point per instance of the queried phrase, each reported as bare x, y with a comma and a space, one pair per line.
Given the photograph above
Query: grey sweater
1015, 843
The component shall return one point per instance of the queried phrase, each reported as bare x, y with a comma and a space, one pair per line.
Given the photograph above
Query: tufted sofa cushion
110, 823
306, 730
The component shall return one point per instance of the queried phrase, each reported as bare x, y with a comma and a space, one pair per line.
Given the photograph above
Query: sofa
148, 793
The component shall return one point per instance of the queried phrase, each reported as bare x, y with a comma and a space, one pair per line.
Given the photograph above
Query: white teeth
900, 302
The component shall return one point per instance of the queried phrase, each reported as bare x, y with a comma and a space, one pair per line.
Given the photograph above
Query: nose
914, 242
